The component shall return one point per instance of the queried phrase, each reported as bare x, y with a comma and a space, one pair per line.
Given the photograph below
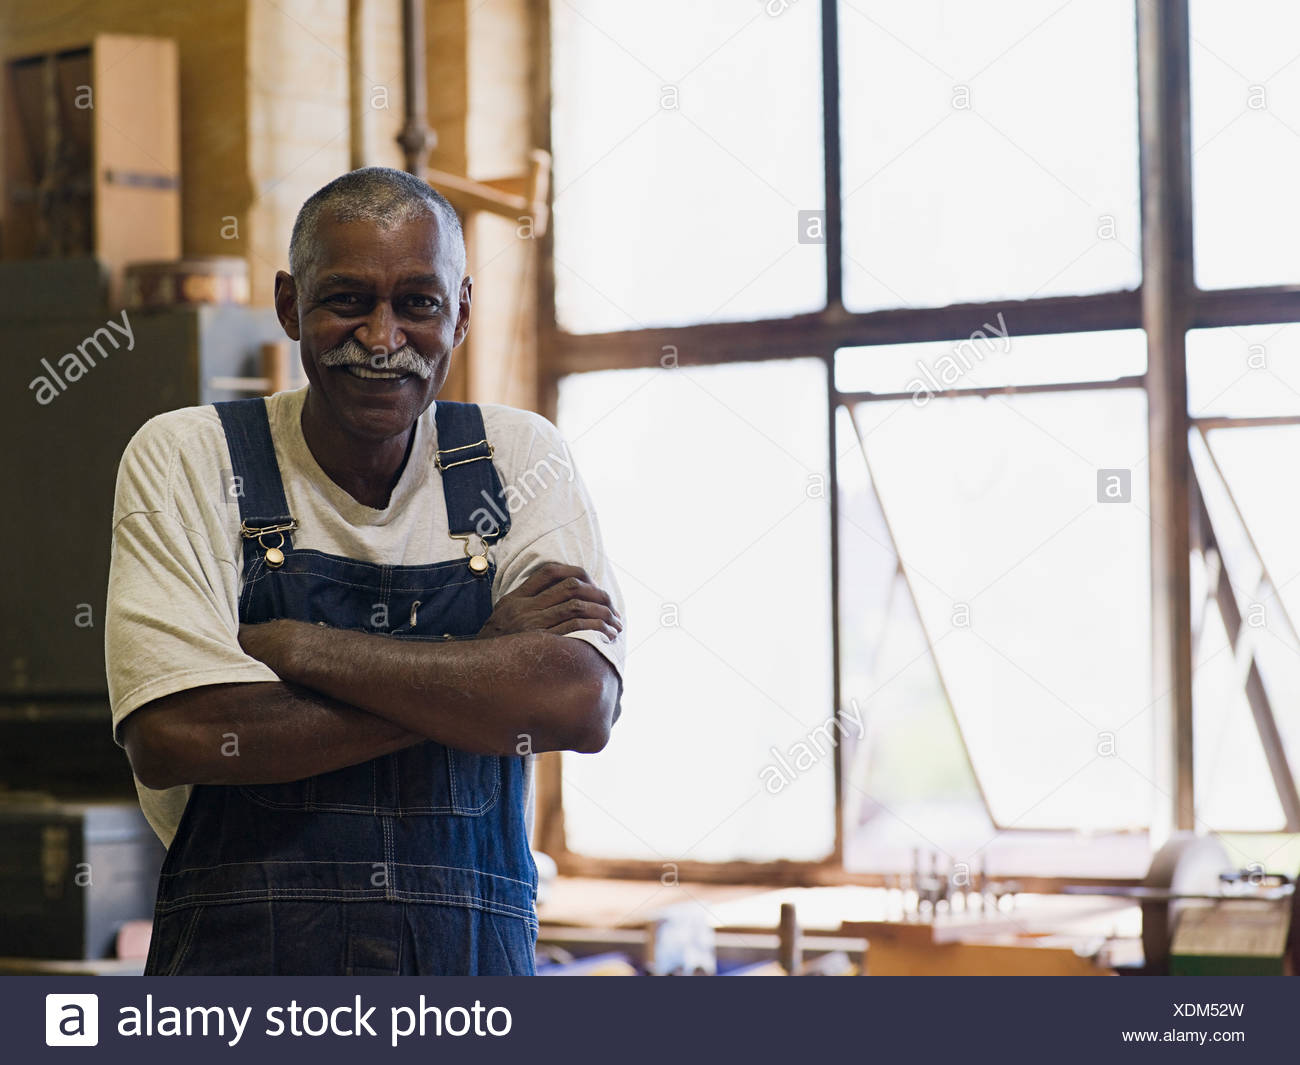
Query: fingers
547, 574
559, 598
579, 610
573, 588
577, 624
552, 583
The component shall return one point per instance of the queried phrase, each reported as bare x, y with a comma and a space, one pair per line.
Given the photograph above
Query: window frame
1166, 305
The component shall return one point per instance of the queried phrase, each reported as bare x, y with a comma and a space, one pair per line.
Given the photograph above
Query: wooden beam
1167, 296
510, 197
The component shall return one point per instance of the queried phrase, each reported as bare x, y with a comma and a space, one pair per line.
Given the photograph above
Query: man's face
377, 320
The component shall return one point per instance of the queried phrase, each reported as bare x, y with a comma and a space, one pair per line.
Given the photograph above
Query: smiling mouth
367, 374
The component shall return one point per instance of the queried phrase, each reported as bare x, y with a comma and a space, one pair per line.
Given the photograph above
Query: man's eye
342, 299
423, 303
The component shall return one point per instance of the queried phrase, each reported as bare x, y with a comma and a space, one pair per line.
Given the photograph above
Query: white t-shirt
174, 583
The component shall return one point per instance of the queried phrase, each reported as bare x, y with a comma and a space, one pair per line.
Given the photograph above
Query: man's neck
366, 470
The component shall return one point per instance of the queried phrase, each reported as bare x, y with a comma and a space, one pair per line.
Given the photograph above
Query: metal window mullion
1167, 298
807, 334
834, 302
549, 835
837, 694
831, 154
987, 392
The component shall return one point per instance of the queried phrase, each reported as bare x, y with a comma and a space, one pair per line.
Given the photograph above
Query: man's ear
462, 321
286, 304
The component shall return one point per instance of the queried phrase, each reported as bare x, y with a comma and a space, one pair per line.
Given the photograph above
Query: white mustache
353, 353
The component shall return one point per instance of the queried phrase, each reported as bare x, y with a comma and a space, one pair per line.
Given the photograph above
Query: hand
555, 598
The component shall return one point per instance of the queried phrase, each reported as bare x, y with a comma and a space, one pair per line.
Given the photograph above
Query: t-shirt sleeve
172, 613
553, 520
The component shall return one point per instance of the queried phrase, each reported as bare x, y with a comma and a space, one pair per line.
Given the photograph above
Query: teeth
373, 375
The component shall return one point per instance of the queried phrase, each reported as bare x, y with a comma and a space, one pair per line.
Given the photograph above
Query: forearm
261, 733
531, 691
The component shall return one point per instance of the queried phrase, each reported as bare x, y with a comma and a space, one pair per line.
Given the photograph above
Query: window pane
687, 139
908, 781
1035, 592
1244, 371
1245, 141
1234, 789
711, 489
1259, 554
991, 357
989, 150
1251, 460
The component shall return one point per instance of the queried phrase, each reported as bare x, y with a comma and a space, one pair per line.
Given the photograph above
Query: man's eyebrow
356, 282
344, 279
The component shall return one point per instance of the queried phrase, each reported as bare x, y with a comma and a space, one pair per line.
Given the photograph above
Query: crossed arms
345, 697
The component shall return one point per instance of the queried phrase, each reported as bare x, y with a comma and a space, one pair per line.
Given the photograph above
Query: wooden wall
212, 41
267, 117
502, 356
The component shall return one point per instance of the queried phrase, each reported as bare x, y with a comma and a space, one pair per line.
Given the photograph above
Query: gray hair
378, 194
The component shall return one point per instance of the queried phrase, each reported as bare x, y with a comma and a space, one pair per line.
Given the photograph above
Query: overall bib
416, 862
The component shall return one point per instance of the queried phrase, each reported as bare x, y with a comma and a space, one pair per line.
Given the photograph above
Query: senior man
343, 619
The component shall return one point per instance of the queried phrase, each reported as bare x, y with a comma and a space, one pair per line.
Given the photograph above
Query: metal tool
1188, 872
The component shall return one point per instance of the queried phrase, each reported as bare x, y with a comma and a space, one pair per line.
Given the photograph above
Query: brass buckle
252, 532
274, 556
437, 455
478, 564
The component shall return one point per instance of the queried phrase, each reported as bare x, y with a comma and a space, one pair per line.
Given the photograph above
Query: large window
1245, 88
969, 183
693, 142
849, 341
712, 482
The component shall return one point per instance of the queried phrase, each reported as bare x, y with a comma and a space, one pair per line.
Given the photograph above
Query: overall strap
252, 456
470, 484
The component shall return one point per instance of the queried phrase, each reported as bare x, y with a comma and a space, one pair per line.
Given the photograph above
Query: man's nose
379, 333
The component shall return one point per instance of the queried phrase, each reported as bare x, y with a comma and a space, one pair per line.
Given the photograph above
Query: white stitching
504, 908
312, 861
325, 556
374, 811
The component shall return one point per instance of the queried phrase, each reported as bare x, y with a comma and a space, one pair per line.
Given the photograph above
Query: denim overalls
416, 862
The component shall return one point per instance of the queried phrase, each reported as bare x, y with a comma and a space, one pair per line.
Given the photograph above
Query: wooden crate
92, 154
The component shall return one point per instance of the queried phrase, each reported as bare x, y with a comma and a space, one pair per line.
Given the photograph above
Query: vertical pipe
417, 139
356, 87
1167, 292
